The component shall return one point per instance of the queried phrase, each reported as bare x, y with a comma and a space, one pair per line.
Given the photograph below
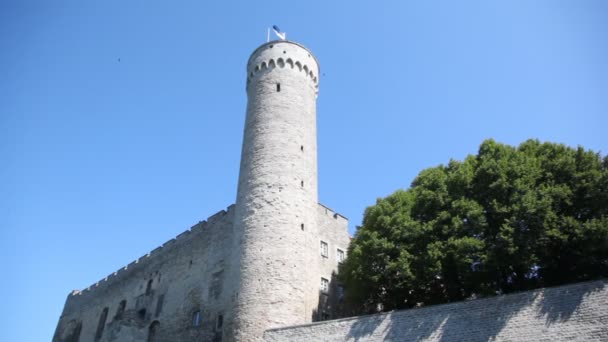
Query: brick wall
577, 312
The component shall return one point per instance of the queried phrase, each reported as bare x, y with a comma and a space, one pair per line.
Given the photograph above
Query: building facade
266, 262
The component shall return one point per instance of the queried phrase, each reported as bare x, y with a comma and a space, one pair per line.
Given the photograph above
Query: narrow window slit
149, 287
101, 325
278, 87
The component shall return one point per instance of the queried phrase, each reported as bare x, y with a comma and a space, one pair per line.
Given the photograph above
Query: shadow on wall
331, 301
559, 304
475, 320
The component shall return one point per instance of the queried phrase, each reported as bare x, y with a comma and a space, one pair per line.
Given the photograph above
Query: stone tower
276, 208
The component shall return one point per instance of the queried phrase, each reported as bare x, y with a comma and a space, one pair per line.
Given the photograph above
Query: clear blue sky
121, 121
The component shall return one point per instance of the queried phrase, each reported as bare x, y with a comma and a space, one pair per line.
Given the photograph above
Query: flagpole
267, 34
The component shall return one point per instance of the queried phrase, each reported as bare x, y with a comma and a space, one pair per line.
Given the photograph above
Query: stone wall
333, 232
577, 312
161, 291
276, 207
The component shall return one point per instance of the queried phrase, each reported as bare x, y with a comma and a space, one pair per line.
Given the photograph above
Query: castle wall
187, 274
577, 312
333, 232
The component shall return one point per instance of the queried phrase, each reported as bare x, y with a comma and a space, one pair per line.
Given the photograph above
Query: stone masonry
276, 207
265, 268
576, 312
259, 264
191, 273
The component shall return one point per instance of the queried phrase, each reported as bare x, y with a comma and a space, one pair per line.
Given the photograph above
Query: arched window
102, 324
121, 308
153, 331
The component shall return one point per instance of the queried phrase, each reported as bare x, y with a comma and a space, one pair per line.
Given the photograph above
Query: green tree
507, 219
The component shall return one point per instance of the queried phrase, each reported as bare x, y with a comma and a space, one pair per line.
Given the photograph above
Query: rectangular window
196, 318
159, 305
340, 292
220, 322
324, 249
324, 285
340, 255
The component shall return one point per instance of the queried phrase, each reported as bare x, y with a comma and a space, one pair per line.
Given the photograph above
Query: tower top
283, 54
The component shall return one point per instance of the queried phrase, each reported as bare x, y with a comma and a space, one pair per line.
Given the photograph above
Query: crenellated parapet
156, 253
283, 55
330, 212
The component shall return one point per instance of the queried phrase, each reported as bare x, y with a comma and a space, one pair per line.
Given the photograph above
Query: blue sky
121, 121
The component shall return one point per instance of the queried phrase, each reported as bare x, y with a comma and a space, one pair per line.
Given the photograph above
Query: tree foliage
507, 219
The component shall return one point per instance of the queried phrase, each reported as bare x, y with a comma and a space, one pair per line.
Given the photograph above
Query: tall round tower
275, 214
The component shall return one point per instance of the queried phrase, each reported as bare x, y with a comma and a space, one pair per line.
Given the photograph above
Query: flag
278, 32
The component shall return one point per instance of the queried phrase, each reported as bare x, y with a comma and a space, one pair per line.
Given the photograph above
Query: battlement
331, 212
283, 54
145, 259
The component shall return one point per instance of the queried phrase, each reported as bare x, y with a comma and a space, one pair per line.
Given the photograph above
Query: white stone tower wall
276, 207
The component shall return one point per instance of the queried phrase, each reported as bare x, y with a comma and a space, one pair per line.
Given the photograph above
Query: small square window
340, 255
324, 285
324, 249
196, 318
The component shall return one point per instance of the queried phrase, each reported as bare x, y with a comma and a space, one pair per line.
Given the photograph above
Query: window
324, 249
159, 305
153, 331
196, 318
121, 308
217, 279
278, 87
324, 285
340, 255
340, 292
149, 287
141, 314
220, 322
102, 324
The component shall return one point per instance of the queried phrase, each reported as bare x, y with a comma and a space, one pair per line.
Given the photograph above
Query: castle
264, 269
267, 261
